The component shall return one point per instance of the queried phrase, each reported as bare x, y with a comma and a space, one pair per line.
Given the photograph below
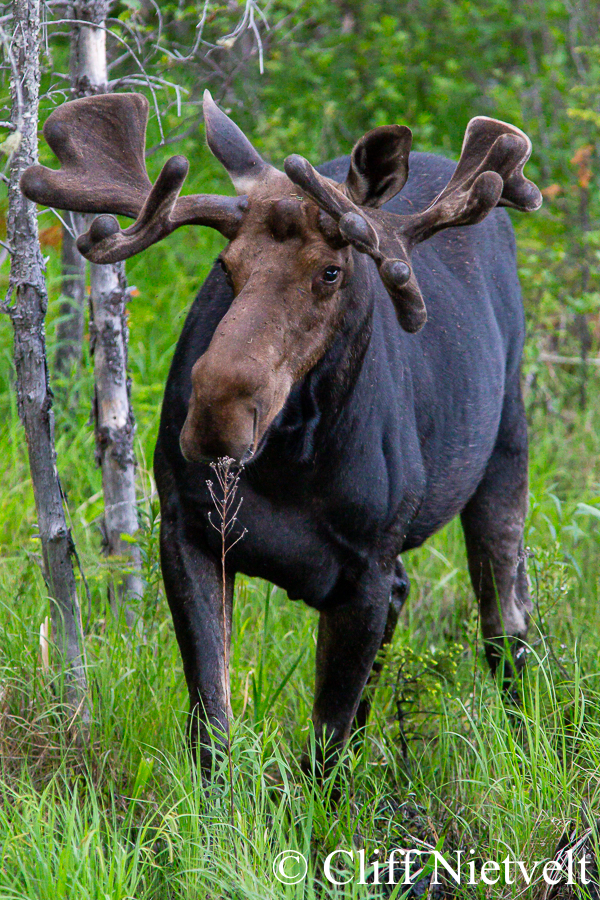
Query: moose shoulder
304, 357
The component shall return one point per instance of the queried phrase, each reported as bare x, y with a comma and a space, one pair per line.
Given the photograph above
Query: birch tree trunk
69, 331
114, 420
27, 312
115, 423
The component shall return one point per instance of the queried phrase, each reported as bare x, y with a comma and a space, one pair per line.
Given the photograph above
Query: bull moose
356, 352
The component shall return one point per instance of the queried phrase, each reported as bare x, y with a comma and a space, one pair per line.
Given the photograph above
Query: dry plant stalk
45, 634
227, 507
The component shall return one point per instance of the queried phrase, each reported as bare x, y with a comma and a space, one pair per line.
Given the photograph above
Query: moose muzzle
230, 408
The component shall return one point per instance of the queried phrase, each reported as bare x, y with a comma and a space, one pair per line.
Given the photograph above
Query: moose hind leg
493, 522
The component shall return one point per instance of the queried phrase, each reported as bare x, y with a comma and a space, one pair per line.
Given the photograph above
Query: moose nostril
213, 430
247, 456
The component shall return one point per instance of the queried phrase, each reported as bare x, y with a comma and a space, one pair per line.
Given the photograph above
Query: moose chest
308, 539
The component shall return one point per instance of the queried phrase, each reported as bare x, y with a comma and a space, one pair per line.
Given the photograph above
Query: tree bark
69, 332
114, 419
30, 300
115, 424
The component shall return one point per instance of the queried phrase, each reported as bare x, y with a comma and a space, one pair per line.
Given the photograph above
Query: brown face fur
283, 318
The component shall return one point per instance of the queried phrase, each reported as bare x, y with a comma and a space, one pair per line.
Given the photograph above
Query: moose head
289, 259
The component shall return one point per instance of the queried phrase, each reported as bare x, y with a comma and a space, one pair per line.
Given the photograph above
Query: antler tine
489, 173
323, 191
105, 242
519, 192
100, 143
353, 223
163, 212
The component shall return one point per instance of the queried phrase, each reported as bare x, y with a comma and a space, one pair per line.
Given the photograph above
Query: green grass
117, 813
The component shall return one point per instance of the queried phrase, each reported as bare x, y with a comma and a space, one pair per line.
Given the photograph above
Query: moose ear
232, 148
379, 165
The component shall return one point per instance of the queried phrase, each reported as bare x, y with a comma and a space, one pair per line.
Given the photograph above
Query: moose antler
489, 173
100, 143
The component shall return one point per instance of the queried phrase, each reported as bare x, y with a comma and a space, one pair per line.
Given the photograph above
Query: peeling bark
115, 424
88, 48
27, 312
114, 420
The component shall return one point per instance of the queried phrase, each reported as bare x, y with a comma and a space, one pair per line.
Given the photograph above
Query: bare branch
55, 212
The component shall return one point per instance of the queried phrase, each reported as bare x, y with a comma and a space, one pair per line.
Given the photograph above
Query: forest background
118, 815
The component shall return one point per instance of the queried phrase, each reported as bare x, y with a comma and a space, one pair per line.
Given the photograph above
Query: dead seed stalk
227, 511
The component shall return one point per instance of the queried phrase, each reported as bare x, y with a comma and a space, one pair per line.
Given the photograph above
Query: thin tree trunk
69, 331
115, 424
114, 420
27, 312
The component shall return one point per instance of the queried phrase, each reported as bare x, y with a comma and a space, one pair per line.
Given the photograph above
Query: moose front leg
350, 634
398, 597
194, 590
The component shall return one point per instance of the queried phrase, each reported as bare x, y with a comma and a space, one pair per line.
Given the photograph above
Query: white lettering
528, 875
493, 867
551, 866
327, 866
407, 861
440, 859
583, 863
391, 879
362, 866
472, 873
570, 873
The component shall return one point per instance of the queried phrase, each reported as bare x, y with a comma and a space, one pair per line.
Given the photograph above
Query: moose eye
330, 274
228, 277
